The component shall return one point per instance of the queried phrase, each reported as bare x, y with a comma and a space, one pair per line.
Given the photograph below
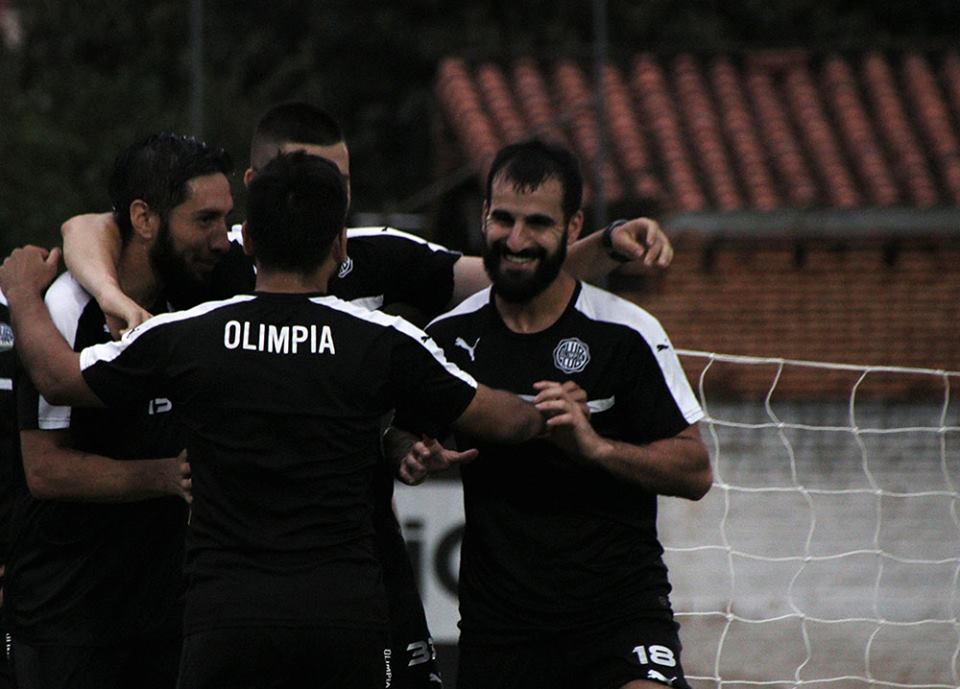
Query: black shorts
603, 659
285, 658
150, 663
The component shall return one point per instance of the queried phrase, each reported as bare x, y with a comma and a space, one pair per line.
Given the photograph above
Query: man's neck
137, 278
540, 312
286, 282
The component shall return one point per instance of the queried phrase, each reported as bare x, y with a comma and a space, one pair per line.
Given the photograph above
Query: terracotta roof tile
753, 131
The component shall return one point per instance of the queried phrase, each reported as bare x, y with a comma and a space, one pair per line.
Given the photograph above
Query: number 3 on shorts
658, 655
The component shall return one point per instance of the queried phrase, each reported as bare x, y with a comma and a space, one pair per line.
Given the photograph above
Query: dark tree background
90, 77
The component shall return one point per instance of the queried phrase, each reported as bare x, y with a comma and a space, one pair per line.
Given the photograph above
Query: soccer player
383, 267
562, 583
282, 392
94, 586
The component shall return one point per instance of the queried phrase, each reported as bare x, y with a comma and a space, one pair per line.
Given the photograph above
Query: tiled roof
755, 131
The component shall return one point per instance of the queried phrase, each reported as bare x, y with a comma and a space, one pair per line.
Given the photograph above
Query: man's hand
122, 312
643, 240
568, 418
30, 269
427, 456
176, 477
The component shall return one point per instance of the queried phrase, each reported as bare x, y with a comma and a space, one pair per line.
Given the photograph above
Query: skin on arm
642, 240
677, 466
53, 367
56, 471
498, 416
415, 459
91, 251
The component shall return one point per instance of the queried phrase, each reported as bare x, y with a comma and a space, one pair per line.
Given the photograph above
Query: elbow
702, 479
41, 484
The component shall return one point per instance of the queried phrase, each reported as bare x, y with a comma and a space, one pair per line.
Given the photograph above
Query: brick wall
880, 302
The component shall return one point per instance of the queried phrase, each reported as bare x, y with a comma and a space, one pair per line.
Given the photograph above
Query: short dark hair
156, 170
296, 206
530, 163
291, 122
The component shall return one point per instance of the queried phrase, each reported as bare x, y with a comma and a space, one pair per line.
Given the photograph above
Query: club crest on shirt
571, 355
6, 337
345, 267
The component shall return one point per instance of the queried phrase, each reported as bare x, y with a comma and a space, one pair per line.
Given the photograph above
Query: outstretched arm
678, 466
48, 359
641, 241
91, 251
56, 471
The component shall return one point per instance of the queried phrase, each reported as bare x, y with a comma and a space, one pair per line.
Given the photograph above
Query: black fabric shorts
149, 663
606, 658
285, 658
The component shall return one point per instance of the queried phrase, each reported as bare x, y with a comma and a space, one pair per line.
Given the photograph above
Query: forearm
588, 259
63, 473
469, 277
53, 367
678, 466
498, 416
91, 251
396, 444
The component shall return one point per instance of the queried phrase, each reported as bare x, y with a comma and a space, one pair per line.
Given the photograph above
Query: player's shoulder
602, 306
465, 310
66, 301
185, 316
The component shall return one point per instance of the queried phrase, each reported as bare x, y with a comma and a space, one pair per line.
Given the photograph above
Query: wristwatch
607, 241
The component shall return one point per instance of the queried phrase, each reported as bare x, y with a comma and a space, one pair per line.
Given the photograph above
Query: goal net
827, 553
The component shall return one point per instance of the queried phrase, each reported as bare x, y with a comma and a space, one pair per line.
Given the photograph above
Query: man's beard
170, 267
517, 287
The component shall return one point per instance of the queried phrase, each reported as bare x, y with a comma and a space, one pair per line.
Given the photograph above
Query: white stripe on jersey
6, 383
392, 232
65, 301
595, 406
108, 351
400, 325
600, 305
3, 298
474, 302
235, 235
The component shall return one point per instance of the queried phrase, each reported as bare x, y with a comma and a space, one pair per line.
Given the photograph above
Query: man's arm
498, 416
48, 359
678, 466
91, 251
640, 241
56, 471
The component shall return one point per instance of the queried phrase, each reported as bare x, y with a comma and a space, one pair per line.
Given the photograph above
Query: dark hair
156, 170
296, 206
528, 164
293, 122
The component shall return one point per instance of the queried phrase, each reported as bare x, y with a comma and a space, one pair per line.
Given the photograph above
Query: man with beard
385, 267
94, 585
562, 583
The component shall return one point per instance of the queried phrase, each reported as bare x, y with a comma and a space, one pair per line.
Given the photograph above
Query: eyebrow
534, 219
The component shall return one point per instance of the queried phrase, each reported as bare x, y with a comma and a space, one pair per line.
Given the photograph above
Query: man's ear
484, 211
145, 222
247, 242
248, 176
339, 249
575, 227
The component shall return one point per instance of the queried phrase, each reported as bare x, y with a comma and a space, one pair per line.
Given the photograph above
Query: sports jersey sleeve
657, 393
409, 269
127, 370
430, 392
